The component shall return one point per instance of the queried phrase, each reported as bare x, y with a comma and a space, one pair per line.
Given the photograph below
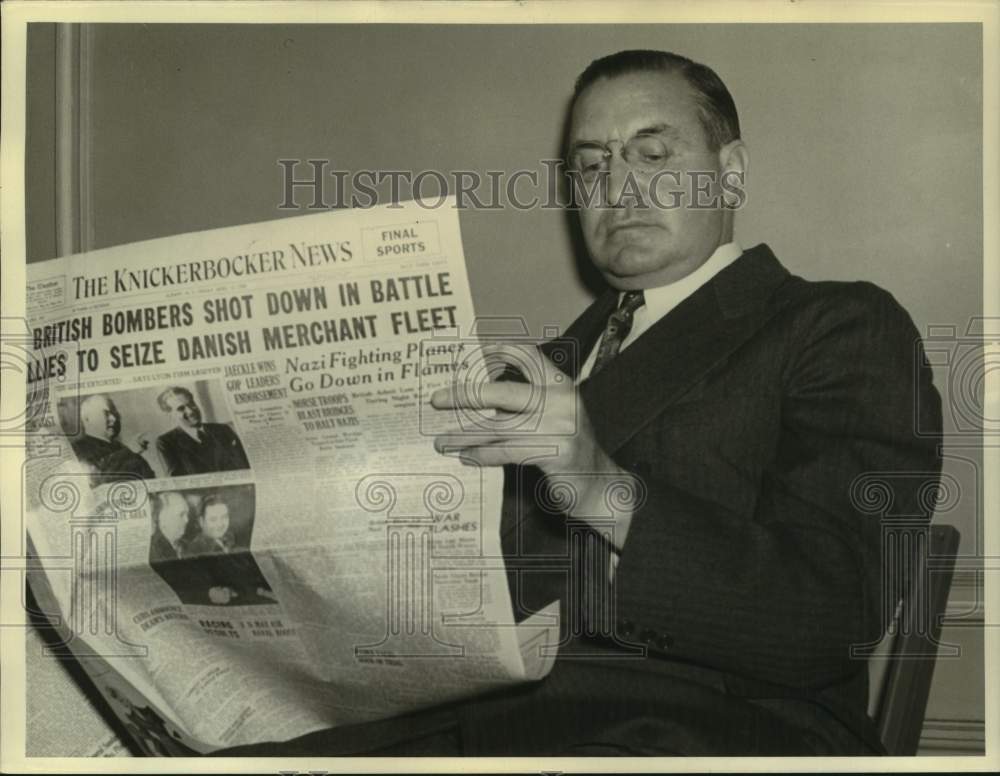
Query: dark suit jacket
192, 573
239, 572
160, 548
748, 412
185, 577
112, 461
204, 545
222, 451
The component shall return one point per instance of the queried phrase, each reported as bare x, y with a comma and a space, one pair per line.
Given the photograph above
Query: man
170, 522
720, 600
215, 536
194, 447
182, 562
214, 539
234, 578
98, 447
168, 545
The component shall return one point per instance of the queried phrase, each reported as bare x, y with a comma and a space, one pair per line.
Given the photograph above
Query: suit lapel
570, 351
667, 360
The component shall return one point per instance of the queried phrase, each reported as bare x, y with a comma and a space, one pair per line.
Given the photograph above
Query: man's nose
617, 180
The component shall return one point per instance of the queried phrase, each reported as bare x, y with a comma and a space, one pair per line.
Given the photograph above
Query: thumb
525, 361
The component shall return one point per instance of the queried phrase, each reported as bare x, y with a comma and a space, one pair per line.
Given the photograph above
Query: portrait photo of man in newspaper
201, 552
115, 432
195, 446
99, 446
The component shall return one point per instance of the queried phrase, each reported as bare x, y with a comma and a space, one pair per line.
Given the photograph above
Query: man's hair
83, 408
211, 501
716, 109
92, 399
161, 501
173, 391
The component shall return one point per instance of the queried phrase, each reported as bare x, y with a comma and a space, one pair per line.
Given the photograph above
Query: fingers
499, 414
453, 444
511, 397
497, 453
524, 359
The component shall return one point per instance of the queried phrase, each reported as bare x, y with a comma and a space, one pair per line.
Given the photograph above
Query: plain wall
39, 147
865, 139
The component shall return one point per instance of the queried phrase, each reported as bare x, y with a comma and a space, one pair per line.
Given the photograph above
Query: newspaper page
236, 501
61, 721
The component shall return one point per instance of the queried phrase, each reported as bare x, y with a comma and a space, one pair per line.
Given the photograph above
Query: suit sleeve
145, 470
175, 466
238, 456
781, 592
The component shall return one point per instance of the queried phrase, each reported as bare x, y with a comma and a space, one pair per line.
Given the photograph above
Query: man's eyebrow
658, 129
585, 144
654, 129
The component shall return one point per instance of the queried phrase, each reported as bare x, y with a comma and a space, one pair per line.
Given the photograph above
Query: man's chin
624, 283
630, 270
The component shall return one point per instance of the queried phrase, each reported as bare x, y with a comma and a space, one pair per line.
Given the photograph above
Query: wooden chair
901, 680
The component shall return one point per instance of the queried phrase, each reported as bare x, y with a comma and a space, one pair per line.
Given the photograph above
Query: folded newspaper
240, 521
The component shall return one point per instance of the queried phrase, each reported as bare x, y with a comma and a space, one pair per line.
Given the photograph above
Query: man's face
183, 411
643, 247
216, 520
173, 518
100, 418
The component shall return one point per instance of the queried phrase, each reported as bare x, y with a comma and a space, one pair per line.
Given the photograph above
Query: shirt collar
662, 299
191, 432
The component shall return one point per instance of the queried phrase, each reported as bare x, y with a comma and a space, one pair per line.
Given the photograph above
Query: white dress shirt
661, 300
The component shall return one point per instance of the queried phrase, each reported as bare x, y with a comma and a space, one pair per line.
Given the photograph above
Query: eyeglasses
643, 153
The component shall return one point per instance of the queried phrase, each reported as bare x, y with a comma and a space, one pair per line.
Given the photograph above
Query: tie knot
630, 302
617, 329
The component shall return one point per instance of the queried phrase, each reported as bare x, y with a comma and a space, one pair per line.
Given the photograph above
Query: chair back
901, 688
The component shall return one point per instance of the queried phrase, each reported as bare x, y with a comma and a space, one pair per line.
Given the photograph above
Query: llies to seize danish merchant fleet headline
231, 461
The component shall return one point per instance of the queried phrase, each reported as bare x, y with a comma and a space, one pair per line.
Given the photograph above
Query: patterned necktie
592, 550
617, 329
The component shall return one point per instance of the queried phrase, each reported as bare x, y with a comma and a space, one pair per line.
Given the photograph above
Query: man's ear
734, 161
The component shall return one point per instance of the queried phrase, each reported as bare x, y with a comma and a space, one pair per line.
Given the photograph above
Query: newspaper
60, 719
232, 489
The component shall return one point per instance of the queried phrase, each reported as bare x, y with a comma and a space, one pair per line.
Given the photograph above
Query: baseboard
955, 724
953, 737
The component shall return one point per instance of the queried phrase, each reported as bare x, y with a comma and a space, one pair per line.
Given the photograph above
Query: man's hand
141, 443
221, 595
511, 417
